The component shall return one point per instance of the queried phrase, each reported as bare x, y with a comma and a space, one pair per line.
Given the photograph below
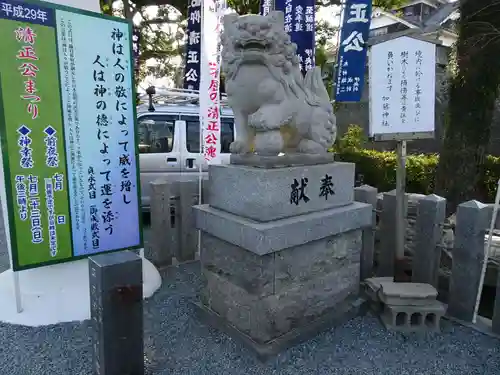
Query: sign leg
400, 212
17, 292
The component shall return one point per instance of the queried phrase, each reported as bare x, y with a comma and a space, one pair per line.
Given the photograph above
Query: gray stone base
284, 161
345, 311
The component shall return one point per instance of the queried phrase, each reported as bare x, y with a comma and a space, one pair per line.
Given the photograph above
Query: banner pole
5, 214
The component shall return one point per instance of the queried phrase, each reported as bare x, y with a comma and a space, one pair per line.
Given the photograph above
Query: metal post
487, 253
400, 211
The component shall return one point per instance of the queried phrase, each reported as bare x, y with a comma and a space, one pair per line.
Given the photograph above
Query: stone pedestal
280, 262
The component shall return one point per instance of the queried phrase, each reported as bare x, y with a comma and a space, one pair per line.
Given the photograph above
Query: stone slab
281, 161
406, 294
264, 351
372, 285
264, 238
271, 194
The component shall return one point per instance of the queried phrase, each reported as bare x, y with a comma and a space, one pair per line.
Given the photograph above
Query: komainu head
253, 37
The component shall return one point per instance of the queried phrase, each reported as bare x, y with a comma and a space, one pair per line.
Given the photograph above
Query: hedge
378, 168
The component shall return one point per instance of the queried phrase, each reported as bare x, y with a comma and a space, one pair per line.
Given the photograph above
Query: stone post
431, 212
388, 234
367, 194
188, 192
468, 252
161, 249
495, 324
117, 313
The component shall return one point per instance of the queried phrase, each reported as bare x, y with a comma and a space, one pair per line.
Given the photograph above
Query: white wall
92, 5
447, 40
381, 21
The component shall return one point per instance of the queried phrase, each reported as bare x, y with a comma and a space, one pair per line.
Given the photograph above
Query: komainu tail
314, 83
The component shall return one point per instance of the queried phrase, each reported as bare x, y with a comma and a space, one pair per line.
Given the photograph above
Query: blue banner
299, 24
193, 46
32, 13
351, 59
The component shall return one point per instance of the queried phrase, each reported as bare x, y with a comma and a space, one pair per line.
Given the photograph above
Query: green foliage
244, 6
378, 169
352, 140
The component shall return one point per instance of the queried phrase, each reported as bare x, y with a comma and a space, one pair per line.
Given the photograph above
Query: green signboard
68, 134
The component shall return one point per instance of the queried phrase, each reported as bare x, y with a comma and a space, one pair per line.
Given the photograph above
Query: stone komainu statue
275, 108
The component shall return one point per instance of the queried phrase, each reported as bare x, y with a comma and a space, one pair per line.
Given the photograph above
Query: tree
163, 46
472, 94
161, 29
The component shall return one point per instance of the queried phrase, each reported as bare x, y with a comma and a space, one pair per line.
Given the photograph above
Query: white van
169, 137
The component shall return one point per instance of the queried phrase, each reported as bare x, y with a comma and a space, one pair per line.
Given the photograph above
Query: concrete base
58, 294
413, 318
349, 309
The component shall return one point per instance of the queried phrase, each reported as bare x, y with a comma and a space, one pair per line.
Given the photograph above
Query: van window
156, 133
193, 133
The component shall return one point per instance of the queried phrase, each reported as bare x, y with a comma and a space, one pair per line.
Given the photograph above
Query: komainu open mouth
253, 45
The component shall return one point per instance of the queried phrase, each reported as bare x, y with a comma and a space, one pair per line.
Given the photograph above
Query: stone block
468, 251
427, 253
265, 319
247, 270
301, 264
387, 251
163, 238
270, 194
408, 319
265, 238
117, 313
367, 194
406, 294
188, 197
495, 321
272, 273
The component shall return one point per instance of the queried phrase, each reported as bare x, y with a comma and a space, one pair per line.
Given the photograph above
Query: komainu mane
276, 109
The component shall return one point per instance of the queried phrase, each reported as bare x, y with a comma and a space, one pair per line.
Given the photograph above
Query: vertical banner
136, 42
211, 48
67, 126
351, 57
193, 46
299, 24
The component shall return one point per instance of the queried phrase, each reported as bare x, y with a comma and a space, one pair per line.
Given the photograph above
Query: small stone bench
424, 318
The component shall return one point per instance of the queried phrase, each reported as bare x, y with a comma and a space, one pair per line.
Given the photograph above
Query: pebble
177, 344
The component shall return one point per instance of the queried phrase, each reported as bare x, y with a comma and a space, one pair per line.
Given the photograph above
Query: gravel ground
176, 343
